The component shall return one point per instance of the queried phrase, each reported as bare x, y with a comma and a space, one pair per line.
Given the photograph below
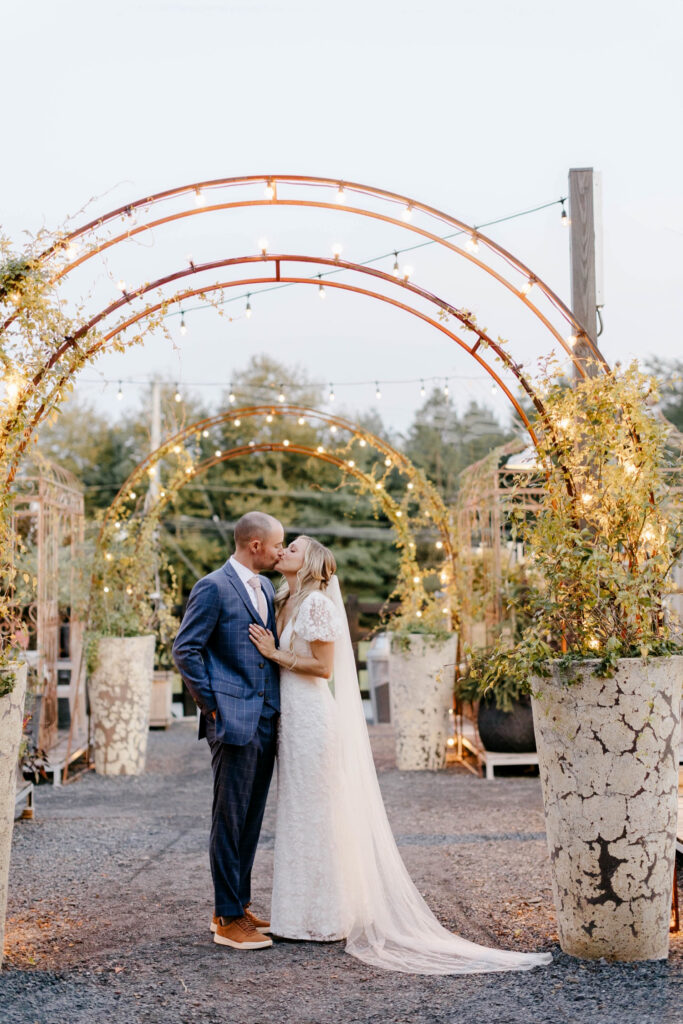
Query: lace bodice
316, 619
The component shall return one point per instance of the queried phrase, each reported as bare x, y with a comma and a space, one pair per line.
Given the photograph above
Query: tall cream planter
608, 753
120, 692
421, 673
11, 723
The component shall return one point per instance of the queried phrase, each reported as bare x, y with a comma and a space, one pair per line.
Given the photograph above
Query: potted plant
602, 662
12, 694
126, 615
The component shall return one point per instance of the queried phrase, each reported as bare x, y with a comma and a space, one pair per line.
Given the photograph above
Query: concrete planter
120, 692
421, 670
160, 716
608, 754
11, 722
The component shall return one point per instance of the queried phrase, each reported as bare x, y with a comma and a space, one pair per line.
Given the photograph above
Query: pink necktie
255, 583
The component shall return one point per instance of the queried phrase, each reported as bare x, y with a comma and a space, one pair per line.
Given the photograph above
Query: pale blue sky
478, 108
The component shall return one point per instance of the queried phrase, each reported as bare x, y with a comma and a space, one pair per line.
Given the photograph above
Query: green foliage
607, 532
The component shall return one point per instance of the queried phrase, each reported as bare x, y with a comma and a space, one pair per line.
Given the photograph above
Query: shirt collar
244, 573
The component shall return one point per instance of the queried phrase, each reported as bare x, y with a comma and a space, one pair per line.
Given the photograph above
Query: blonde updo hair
318, 568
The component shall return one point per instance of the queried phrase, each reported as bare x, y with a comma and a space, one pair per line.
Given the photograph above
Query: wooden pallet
58, 758
24, 795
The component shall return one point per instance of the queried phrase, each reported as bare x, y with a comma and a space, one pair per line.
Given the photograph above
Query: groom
238, 692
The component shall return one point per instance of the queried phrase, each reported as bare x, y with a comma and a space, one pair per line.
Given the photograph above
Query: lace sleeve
318, 619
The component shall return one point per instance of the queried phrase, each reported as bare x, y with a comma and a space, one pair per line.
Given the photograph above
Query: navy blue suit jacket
219, 664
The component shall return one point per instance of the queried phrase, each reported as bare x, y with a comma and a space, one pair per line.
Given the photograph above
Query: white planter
11, 722
120, 692
162, 698
421, 673
608, 754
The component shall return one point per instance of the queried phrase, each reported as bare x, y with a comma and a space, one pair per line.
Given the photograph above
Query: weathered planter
160, 715
120, 692
421, 671
11, 721
506, 732
608, 754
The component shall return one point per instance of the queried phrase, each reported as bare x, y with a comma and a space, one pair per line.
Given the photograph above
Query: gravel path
110, 899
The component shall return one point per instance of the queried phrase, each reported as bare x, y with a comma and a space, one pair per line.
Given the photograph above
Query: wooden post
582, 216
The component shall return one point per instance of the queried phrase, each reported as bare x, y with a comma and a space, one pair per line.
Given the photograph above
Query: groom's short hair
253, 526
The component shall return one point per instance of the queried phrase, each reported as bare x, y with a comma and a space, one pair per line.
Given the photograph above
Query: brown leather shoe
259, 924
240, 934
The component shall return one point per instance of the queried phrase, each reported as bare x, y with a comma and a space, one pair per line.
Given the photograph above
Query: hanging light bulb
407, 271
131, 215
199, 197
378, 393
387, 462
263, 245
493, 389
336, 250
445, 388
320, 449
351, 463
269, 418
231, 396
411, 486
407, 212
281, 395
247, 311
564, 216
331, 395
205, 433
333, 429
301, 421
178, 397
119, 394
183, 325
472, 243
218, 453
121, 285
238, 422
270, 189
321, 290
396, 270
286, 443
422, 389
572, 340
362, 442
439, 545
340, 196
527, 286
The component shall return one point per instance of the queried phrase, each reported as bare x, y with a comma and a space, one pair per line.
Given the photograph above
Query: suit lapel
241, 590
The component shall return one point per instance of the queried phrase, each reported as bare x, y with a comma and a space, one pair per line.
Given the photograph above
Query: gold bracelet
294, 662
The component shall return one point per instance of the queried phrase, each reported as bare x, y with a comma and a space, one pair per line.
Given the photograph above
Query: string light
263, 245
281, 396
337, 250
231, 396
269, 418
527, 286
270, 189
418, 614
247, 311
183, 325
422, 389
378, 393
178, 397
362, 442
586, 497
439, 545
563, 216
407, 212
407, 272
121, 285
238, 422
218, 453
333, 429
472, 243
199, 197
119, 393
131, 215
331, 395
205, 433
410, 485
387, 462
339, 197
286, 443
320, 449
445, 388
321, 290
301, 420
572, 340
396, 270
351, 463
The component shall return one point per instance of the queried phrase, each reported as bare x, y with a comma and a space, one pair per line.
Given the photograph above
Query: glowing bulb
183, 325
410, 486
472, 243
396, 270
252, 444
351, 463
407, 272
218, 453
269, 418
199, 197
117, 526
422, 389
333, 429
176, 449
247, 311
331, 394
586, 498
321, 291
121, 285
418, 614
129, 590
336, 250
238, 422
263, 246
340, 196
152, 471
445, 389
106, 590
378, 393
178, 397
387, 461
119, 393
572, 340
564, 217
450, 742
286, 443
594, 642
362, 442
109, 556
162, 494
231, 398
439, 545
416, 579
188, 470
527, 286
630, 468
378, 486
398, 513
564, 423
407, 212
301, 420
320, 449
446, 610
205, 433
270, 189
132, 495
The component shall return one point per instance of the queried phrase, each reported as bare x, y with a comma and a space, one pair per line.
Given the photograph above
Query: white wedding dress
337, 872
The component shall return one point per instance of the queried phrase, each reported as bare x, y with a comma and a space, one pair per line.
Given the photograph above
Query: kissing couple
274, 675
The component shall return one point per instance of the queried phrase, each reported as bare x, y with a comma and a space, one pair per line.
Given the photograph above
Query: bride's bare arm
320, 664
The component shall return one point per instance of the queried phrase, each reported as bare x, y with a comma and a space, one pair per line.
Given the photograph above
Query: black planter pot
506, 732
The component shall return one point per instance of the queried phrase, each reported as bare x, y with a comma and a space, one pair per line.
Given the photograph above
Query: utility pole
585, 217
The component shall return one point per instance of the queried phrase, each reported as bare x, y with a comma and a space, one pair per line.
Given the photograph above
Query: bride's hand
263, 640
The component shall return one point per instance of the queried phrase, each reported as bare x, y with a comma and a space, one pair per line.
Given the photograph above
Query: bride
337, 870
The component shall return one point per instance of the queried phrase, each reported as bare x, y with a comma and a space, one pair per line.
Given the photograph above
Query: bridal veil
391, 925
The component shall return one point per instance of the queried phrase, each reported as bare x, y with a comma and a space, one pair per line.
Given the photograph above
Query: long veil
391, 925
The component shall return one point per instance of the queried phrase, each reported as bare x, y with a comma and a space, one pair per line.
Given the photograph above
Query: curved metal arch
361, 189
518, 293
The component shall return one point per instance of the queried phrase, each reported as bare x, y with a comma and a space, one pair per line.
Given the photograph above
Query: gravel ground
110, 900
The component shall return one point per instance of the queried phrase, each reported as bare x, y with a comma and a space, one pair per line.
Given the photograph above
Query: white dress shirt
245, 574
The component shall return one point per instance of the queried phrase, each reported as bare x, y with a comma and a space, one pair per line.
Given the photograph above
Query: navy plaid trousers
241, 777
